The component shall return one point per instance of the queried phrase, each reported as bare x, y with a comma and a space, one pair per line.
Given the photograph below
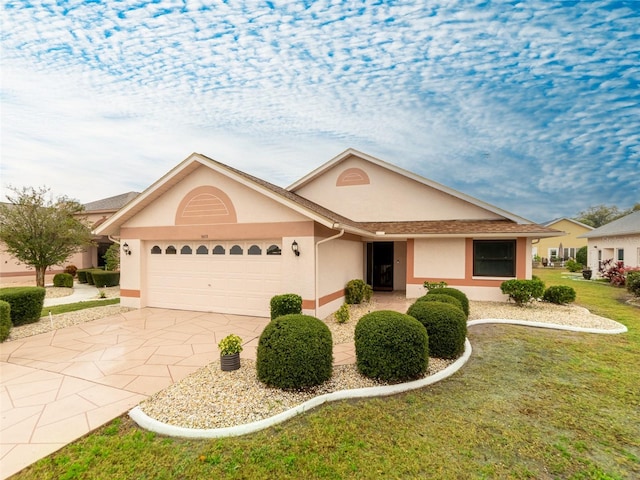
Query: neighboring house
13, 271
618, 240
570, 242
208, 237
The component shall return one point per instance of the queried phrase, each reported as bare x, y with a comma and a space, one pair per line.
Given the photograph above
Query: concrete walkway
81, 293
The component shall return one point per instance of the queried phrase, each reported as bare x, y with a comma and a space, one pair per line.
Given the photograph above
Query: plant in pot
230, 348
586, 273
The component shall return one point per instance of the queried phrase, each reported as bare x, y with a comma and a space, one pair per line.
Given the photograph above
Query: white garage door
225, 277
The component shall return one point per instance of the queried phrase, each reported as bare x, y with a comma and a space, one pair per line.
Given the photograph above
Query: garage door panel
241, 284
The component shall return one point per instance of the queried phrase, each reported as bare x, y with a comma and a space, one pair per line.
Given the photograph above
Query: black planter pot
586, 274
230, 362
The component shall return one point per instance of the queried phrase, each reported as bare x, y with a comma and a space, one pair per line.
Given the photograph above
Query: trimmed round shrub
104, 278
446, 326
442, 298
453, 292
391, 346
5, 320
573, 266
63, 280
559, 294
633, 283
285, 304
357, 291
26, 303
295, 351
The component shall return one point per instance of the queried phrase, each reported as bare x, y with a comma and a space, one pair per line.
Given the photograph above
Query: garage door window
236, 250
218, 250
171, 250
274, 250
254, 250
202, 250
156, 250
186, 250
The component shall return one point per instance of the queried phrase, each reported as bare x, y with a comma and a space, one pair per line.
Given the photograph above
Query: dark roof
627, 225
457, 227
111, 203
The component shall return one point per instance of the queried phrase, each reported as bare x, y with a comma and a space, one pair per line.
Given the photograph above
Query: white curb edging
554, 326
143, 420
151, 424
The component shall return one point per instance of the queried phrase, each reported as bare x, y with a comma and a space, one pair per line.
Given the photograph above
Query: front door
380, 265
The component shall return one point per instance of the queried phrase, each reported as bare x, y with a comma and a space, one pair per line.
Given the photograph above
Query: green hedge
26, 303
391, 346
523, 291
295, 351
559, 294
82, 275
357, 291
446, 326
453, 292
63, 280
442, 298
5, 320
285, 304
633, 283
103, 278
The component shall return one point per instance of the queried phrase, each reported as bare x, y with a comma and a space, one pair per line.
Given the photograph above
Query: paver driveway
57, 386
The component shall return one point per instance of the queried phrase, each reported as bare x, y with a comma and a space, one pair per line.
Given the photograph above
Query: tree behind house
41, 232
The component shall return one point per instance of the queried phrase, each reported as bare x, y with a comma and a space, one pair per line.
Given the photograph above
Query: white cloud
520, 105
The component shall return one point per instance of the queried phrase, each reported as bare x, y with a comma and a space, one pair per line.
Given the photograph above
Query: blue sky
532, 106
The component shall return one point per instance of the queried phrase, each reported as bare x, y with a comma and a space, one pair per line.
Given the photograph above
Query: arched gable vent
353, 176
205, 206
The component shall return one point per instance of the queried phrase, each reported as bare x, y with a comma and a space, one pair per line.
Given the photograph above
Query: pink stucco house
208, 237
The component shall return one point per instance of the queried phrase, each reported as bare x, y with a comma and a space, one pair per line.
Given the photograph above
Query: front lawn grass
530, 404
72, 307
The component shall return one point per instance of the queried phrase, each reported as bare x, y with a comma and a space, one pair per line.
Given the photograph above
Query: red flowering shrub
615, 272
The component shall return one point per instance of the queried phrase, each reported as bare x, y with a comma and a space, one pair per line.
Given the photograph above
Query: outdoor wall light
294, 247
126, 249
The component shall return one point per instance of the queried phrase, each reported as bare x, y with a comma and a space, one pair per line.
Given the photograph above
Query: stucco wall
250, 206
339, 261
440, 258
411, 200
609, 246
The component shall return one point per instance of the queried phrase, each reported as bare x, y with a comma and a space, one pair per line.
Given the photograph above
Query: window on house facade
494, 258
186, 250
202, 250
171, 250
621, 254
235, 250
218, 250
156, 250
254, 250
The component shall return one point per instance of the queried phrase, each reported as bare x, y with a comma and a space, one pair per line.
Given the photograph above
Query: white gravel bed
571, 315
211, 398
